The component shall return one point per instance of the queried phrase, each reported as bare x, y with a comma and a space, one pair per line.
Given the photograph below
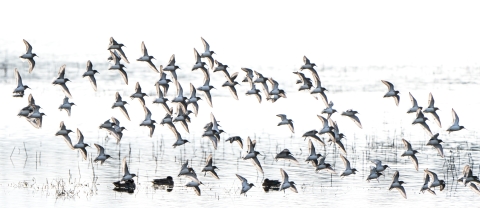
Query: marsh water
38, 167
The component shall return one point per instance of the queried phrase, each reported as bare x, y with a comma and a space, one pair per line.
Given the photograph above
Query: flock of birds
185, 106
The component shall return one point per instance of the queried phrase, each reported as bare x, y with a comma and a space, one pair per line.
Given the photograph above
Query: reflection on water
38, 167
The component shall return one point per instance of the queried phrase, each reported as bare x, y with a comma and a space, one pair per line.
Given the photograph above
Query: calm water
34, 161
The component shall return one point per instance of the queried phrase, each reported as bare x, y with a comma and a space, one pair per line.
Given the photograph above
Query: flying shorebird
193, 99
29, 108
411, 153
209, 167
126, 174
115, 129
455, 126
253, 90
468, 176
426, 179
262, 80
435, 142
183, 118
119, 103
206, 87
180, 99
178, 136
67, 106
64, 132
421, 119
325, 127
208, 53
398, 184
90, 74
248, 75
101, 154
188, 172
313, 154
275, 90
245, 185
321, 165
163, 81
319, 89
222, 68
434, 181
313, 135
80, 145
29, 56
286, 155
171, 67
285, 121
306, 82
374, 174
432, 110
378, 165
19, 90
286, 183
348, 170
61, 80
35, 117
329, 110
307, 64
139, 94
118, 48
146, 58
237, 139
161, 100
415, 106
118, 66
231, 85
351, 114
148, 122
391, 92
252, 154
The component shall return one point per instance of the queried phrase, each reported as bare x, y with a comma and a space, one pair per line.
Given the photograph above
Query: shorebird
67, 106
329, 110
118, 66
183, 118
421, 119
117, 47
306, 82
29, 56
321, 165
426, 179
64, 132
101, 154
148, 122
115, 130
178, 136
195, 185
434, 180
90, 73
319, 89
275, 90
61, 80
313, 154
313, 134
348, 170
252, 154
126, 174
222, 68
325, 127
435, 142
248, 75
253, 90
262, 80
231, 85
199, 64
35, 117
285, 121
336, 137
286, 155
180, 99
351, 114
286, 183
398, 184
245, 185
193, 99
415, 106
391, 92
80, 145
411, 153
374, 174
432, 110
146, 58
171, 67
208, 53
307, 64
209, 167
19, 90
237, 139
468, 176
474, 188
139, 94
206, 87
455, 126
29, 108
119, 103
378, 165
163, 81
161, 100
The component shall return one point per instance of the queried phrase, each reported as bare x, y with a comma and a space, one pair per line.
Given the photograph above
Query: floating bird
271, 184
421, 120
119, 103
426, 179
286, 155
286, 183
285, 121
126, 174
80, 145
139, 94
415, 106
90, 74
253, 90
374, 174
29, 56
168, 181
161, 100
62, 81
245, 185
118, 48
329, 110
306, 82
391, 92
171, 67
313, 134
411, 153
19, 91
434, 180
435, 142
118, 66
67, 106
208, 53
432, 110
64, 132
321, 165
348, 170
146, 58
193, 99
455, 126
237, 139
252, 154
209, 167
148, 122
398, 184
351, 114
313, 154
378, 165
101, 154
163, 81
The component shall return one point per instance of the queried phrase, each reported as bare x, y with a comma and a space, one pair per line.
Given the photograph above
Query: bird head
26, 87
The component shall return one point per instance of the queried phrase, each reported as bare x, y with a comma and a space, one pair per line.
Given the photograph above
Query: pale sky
252, 33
